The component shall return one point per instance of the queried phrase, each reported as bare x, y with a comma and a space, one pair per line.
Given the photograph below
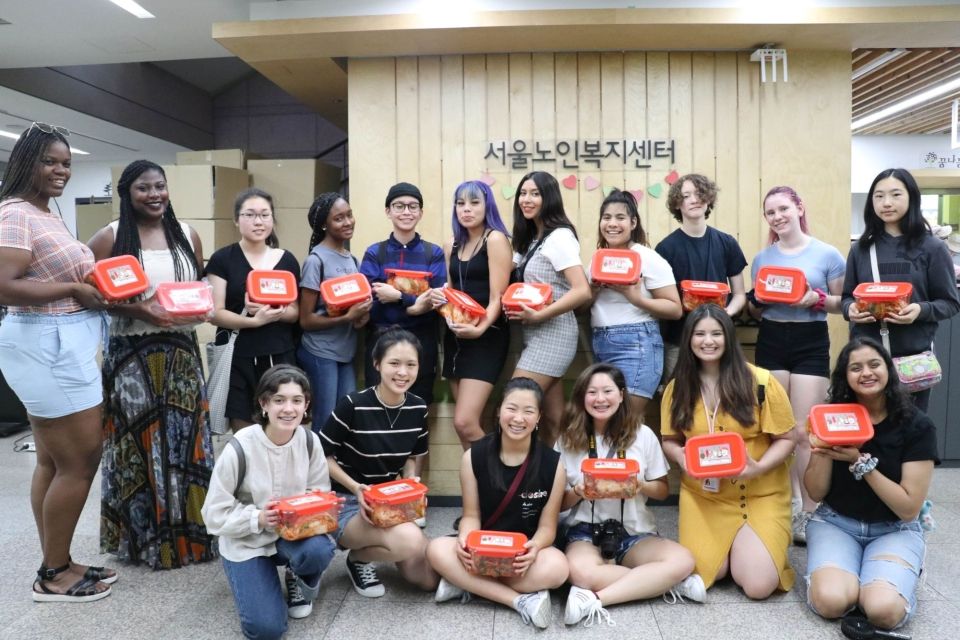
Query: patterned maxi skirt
157, 453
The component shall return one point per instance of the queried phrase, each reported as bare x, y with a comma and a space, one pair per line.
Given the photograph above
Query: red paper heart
487, 178
637, 193
671, 177
570, 182
591, 183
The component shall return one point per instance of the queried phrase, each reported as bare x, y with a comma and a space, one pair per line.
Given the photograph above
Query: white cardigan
273, 471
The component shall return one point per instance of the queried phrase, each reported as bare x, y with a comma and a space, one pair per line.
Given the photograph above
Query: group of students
163, 500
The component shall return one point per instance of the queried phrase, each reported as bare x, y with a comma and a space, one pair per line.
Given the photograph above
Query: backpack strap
382, 253
242, 457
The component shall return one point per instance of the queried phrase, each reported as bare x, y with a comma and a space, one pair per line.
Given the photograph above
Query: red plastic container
275, 288
185, 298
493, 552
339, 294
535, 295
840, 425
698, 292
615, 266
309, 514
784, 285
715, 455
882, 298
119, 278
407, 281
605, 478
396, 502
461, 308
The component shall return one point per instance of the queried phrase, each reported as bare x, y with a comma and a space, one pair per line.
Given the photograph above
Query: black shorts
797, 347
245, 373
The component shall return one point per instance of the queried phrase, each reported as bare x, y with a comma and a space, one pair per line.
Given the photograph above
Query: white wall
872, 154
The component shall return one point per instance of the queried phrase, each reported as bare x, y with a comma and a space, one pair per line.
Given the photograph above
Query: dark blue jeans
256, 587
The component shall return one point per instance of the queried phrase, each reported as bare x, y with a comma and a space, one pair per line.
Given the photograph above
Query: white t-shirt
612, 307
561, 248
653, 466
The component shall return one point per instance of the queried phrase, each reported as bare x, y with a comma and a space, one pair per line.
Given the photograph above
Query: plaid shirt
56, 256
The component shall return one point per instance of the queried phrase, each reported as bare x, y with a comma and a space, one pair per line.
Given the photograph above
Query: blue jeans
256, 587
329, 381
635, 349
583, 532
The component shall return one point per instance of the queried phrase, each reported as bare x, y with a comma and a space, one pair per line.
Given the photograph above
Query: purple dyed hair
790, 193
491, 220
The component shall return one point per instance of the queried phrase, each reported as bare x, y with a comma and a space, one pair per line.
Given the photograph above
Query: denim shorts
349, 509
583, 531
50, 361
635, 349
834, 540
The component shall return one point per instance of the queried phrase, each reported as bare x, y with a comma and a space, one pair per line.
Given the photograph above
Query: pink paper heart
507, 192
487, 178
591, 183
655, 190
637, 193
671, 177
570, 182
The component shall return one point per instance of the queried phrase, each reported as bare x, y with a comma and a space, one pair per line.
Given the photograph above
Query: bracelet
864, 465
821, 303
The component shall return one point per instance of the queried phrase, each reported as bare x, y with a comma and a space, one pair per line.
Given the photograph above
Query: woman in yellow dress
737, 526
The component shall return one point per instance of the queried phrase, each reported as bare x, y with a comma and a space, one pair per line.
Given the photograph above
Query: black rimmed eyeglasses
50, 128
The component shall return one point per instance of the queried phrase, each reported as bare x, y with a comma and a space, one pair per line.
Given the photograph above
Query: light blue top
820, 263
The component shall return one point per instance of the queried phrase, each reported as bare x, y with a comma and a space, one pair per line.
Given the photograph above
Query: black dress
484, 357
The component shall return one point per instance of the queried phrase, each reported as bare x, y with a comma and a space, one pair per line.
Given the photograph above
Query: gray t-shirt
340, 342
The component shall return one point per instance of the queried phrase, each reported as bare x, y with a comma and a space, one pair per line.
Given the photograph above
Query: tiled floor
195, 602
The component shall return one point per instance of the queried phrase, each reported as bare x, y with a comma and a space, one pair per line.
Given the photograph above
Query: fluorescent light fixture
903, 105
132, 7
16, 136
879, 62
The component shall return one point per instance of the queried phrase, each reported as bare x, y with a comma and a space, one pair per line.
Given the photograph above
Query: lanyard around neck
711, 417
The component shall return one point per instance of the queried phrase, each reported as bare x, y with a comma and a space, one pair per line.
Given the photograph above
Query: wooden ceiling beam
904, 92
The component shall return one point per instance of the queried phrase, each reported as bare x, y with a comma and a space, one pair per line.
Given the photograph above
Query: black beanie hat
403, 189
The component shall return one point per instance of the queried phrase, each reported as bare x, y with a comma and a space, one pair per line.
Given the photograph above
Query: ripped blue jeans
860, 548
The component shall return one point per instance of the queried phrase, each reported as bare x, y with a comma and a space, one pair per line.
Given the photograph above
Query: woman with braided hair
157, 454
329, 343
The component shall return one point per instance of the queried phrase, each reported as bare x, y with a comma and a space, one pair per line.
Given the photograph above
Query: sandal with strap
84, 590
99, 574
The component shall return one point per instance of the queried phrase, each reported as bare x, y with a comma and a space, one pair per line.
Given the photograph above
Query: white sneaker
421, 522
690, 588
298, 606
583, 603
447, 591
534, 608
799, 526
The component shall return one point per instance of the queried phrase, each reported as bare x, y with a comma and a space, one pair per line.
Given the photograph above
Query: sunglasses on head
50, 128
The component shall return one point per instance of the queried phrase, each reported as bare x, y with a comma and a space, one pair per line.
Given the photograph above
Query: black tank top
523, 513
472, 276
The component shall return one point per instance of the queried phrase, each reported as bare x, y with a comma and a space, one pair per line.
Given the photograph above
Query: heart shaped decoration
488, 179
672, 177
637, 193
591, 183
655, 190
507, 192
570, 182
607, 191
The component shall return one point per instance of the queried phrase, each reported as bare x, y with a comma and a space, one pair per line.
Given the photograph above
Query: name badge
711, 484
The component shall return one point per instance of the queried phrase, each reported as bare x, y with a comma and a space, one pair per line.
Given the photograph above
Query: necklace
386, 409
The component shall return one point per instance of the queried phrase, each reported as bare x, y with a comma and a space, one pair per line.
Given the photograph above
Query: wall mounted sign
569, 154
938, 160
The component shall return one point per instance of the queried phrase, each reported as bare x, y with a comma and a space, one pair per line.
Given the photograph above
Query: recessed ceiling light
132, 7
16, 136
920, 98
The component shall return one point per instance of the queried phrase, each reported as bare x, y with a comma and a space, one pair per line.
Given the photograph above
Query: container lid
185, 298
120, 277
528, 293
715, 455
785, 285
702, 288
407, 273
345, 290
614, 468
841, 424
882, 291
272, 287
308, 503
496, 544
463, 301
615, 266
395, 492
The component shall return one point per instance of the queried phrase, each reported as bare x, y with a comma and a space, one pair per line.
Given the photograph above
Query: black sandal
84, 590
98, 574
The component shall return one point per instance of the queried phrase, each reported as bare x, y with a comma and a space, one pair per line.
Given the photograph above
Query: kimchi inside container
408, 281
841, 425
698, 292
882, 298
784, 285
535, 295
615, 266
715, 455
461, 308
396, 502
119, 278
605, 478
275, 288
309, 514
341, 293
493, 552
185, 298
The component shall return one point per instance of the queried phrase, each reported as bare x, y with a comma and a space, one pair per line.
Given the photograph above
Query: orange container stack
493, 552
698, 292
276, 288
715, 455
339, 294
119, 278
408, 281
309, 514
882, 298
185, 298
784, 285
461, 308
615, 266
605, 478
396, 502
535, 295
840, 425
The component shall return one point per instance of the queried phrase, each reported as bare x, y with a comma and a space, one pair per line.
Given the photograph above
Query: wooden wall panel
660, 222
635, 121
452, 154
589, 125
430, 119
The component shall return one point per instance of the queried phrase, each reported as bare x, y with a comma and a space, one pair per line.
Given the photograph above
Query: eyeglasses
398, 207
250, 215
50, 128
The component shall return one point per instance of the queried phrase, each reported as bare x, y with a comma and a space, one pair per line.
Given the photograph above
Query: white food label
345, 288
185, 297
841, 422
121, 275
715, 455
779, 284
496, 541
613, 264
529, 294
706, 285
273, 286
881, 288
397, 488
297, 502
610, 464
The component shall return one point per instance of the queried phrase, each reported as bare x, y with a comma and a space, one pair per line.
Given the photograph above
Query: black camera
607, 536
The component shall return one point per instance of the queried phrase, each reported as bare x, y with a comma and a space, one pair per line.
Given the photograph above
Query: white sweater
273, 471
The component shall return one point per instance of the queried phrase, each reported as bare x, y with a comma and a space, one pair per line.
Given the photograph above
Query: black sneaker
297, 605
363, 575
